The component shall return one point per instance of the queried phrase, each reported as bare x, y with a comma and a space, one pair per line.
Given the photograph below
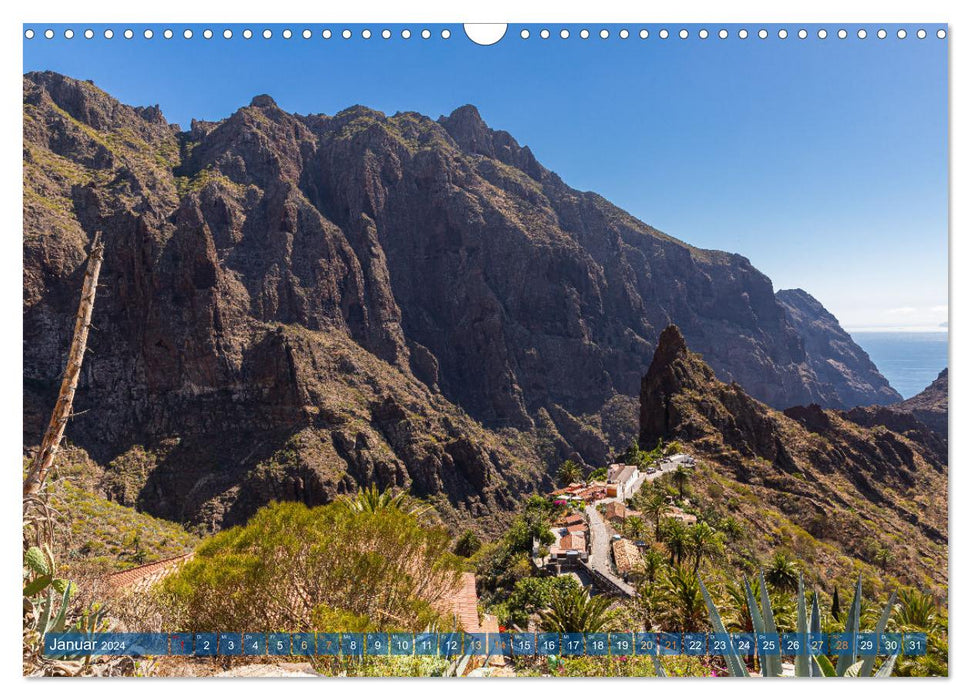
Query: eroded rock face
865, 466
469, 296
842, 366
930, 405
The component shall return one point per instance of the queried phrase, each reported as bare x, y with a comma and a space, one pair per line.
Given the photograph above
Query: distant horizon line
897, 329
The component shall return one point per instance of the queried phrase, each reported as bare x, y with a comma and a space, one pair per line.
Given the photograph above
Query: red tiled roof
142, 577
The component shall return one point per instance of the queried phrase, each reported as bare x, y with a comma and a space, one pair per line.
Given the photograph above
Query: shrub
292, 567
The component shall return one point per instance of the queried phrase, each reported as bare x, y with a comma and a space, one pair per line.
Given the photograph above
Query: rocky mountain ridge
839, 476
293, 305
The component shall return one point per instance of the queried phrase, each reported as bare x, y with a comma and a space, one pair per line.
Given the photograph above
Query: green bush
296, 568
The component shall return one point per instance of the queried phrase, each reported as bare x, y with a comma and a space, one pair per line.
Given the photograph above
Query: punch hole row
446, 34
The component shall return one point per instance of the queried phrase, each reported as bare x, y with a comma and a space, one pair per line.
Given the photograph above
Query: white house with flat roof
621, 479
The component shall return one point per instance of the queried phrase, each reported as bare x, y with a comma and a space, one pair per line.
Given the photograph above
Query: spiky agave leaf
735, 664
659, 668
853, 671
844, 661
825, 666
887, 668
773, 661
803, 666
869, 661
815, 627
758, 626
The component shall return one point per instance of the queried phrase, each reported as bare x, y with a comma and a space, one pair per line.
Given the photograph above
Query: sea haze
909, 361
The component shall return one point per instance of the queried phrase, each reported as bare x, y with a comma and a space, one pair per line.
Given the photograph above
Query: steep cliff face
841, 477
491, 320
930, 405
836, 360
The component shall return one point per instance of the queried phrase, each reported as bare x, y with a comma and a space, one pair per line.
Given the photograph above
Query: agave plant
807, 665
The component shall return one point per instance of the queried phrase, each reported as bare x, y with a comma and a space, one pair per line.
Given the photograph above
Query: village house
617, 512
682, 459
621, 479
585, 493
627, 557
676, 513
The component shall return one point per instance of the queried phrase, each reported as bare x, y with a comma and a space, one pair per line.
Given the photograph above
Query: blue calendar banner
352, 644
597, 644
304, 644
205, 644
645, 644
476, 644
842, 644
254, 644
230, 644
768, 643
621, 643
278, 644
450, 644
500, 644
523, 644
915, 643
743, 643
572, 644
891, 644
426, 644
402, 644
72, 644
548, 643
695, 643
376, 644
818, 643
668, 644
720, 643
792, 643
328, 644
180, 644
867, 643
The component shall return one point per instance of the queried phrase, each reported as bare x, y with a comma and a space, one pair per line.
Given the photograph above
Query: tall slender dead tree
65, 399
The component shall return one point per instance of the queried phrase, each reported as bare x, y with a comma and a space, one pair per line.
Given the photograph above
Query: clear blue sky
823, 161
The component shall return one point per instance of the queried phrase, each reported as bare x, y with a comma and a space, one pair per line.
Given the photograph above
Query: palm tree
704, 542
916, 612
569, 473
783, 573
680, 604
675, 537
653, 563
731, 528
571, 610
680, 477
634, 527
655, 507
738, 617
882, 557
372, 500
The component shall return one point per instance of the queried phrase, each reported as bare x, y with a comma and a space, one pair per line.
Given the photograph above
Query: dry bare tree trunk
62, 409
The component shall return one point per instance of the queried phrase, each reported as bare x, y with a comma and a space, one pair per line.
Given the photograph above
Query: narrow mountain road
600, 556
600, 551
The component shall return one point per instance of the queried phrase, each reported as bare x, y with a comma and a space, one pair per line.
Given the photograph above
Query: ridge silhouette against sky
823, 161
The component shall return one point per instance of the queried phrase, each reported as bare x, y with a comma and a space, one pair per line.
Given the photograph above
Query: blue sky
823, 161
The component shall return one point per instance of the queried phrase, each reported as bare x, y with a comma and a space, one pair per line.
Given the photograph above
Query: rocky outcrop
930, 406
835, 360
483, 317
809, 462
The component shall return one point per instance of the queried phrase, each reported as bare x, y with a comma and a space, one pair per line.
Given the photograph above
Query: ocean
909, 361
